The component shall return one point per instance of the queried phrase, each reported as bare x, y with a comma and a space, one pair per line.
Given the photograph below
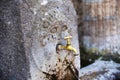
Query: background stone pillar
101, 25
98, 22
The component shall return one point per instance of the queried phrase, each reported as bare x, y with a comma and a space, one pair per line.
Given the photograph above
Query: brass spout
70, 48
68, 45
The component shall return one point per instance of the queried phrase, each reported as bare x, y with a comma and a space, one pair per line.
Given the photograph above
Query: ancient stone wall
101, 25
98, 28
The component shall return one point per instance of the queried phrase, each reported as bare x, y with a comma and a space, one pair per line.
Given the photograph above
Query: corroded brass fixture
68, 45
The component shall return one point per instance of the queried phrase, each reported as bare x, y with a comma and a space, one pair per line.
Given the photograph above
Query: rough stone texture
98, 22
98, 19
29, 33
101, 25
13, 62
45, 23
101, 70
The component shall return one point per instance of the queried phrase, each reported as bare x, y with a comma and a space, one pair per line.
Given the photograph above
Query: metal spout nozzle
70, 48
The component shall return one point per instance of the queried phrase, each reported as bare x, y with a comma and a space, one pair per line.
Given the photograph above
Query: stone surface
45, 23
101, 70
98, 27
14, 64
29, 33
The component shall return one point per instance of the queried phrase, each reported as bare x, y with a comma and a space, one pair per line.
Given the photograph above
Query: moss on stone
88, 56
92, 50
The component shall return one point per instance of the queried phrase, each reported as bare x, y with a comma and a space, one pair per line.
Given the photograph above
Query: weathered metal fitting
68, 46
